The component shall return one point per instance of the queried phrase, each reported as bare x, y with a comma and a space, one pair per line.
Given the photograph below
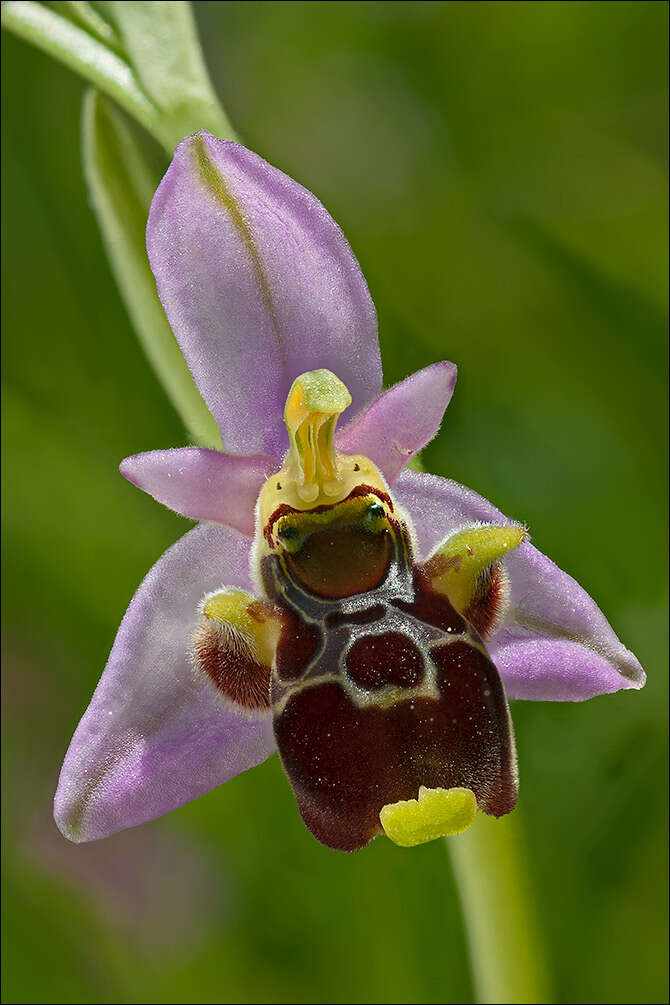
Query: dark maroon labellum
379, 686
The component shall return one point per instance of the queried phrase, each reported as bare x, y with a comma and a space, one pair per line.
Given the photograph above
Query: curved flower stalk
268, 303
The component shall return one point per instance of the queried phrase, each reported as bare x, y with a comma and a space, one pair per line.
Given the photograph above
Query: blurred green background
500, 171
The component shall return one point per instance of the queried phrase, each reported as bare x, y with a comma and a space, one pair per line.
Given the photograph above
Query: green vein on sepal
214, 182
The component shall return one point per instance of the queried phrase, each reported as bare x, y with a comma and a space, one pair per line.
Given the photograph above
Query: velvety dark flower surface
260, 286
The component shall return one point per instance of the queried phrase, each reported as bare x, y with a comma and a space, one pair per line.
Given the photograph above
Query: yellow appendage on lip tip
436, 813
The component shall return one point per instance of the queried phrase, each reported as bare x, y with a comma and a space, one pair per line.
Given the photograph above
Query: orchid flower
369, 620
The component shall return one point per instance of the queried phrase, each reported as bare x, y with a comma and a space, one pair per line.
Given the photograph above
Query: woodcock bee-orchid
374, 628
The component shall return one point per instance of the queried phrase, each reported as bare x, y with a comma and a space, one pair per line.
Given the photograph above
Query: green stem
506, 954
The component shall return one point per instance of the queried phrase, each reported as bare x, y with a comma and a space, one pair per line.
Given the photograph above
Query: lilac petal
555, 644
155, 733
202, 484
259, 285
402, 420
